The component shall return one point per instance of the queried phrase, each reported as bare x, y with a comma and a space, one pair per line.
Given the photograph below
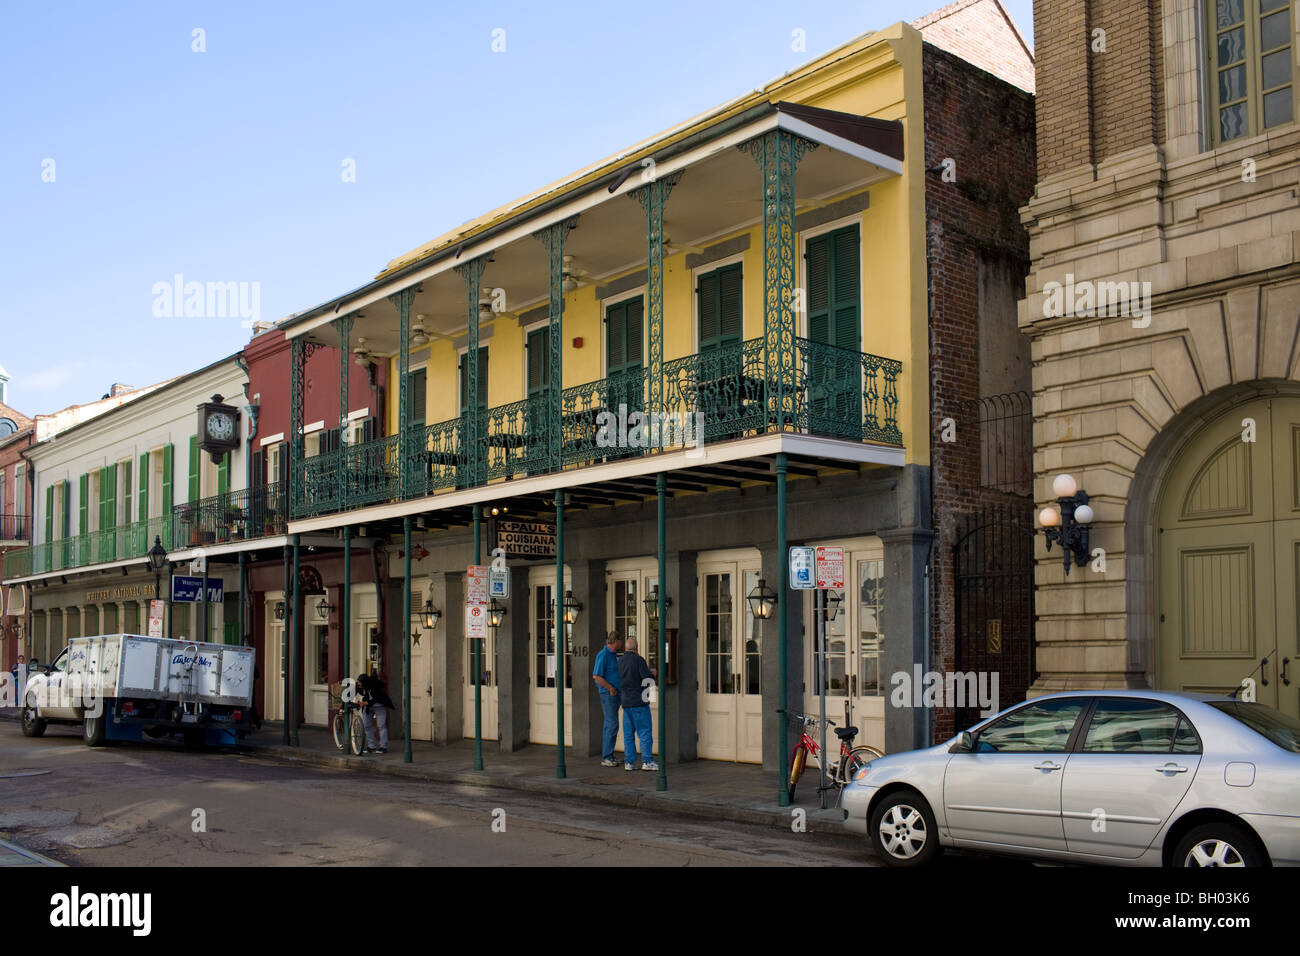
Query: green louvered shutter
834, 385
194, 468
49, 514
83, 503
539, 361
165, 510
110, 499
142, 496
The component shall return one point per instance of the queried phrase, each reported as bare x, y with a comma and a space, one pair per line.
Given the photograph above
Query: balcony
235, 516
721, 395
15, 527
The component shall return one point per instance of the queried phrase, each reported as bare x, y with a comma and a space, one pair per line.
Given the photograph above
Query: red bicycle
852, 759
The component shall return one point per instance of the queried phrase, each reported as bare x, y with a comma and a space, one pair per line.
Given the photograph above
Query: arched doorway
1228, 555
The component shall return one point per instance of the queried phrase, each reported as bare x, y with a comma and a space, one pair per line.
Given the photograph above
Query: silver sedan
1128, 778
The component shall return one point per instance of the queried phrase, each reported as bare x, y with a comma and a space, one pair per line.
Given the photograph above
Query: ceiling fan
363, 356
573, 279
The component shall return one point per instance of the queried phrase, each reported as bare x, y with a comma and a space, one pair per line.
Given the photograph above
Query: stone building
1168, 161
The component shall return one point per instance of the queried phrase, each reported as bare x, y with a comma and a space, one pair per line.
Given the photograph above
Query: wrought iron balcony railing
235, 516
15, 527
718, 395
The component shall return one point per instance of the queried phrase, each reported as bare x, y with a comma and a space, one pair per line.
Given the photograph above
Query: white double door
730, 659
484, 674
544, 660
274, 665
846, 623
627, 583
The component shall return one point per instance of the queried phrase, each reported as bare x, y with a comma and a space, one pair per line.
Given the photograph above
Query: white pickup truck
118, 686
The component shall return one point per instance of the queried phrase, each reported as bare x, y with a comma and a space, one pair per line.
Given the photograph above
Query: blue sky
227, 165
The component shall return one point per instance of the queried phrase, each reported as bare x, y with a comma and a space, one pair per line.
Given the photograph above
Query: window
20, 490
720, 308
1138, 726
123, 503
1251, 66
1265, 721
1039, 727
482, 379
416, 395
7, 427
834, 289
539, 360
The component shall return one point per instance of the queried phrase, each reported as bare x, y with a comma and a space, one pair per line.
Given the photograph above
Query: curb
817, 821
32, 855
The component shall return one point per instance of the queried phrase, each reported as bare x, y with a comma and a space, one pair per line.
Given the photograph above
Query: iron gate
993, 565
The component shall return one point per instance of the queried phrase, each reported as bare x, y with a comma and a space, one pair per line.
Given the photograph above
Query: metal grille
1006, 430
993, 564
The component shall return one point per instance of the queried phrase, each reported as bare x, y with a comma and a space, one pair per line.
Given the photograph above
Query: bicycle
347, 724
852, 759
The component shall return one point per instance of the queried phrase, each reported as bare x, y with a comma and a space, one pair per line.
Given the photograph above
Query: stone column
447, 591
90, 619
683, 697
906, 643
513, 687
588, 638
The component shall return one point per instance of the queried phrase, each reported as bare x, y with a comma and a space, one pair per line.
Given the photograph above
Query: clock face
220, 426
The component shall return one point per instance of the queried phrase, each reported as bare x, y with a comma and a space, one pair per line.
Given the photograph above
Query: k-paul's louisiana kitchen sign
526, 539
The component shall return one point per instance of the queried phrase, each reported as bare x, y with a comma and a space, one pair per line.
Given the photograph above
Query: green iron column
561, 637
782, 595
344, 326
472, 273
476, 660
297, 359
552, 237
661, 487
406, 638
402, 302
295, 682
653, 197
345, 623
284, 637
777, 154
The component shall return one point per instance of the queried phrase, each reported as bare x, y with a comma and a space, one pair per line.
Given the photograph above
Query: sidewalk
711, 789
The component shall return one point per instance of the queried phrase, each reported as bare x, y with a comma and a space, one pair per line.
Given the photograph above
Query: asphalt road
141, 805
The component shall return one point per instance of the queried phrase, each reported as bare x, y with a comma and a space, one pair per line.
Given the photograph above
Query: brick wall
987, 127
1095, 103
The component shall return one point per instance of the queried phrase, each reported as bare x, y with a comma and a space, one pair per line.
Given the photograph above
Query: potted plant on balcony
189, 526
269, 522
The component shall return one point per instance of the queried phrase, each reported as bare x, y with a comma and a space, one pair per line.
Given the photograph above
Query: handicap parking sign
802, 562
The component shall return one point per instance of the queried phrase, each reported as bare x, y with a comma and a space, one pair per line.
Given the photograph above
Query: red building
327, 430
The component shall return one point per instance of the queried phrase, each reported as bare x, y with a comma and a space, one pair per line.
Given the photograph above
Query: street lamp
762, 601
1069, 526
279, 610
431, 615
323, 608
572, 608
652, 605
157, 558
496, 614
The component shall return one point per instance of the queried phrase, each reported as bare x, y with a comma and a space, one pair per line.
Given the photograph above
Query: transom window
1252, 66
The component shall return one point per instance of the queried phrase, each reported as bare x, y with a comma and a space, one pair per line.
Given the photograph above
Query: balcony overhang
678, 464
719, 195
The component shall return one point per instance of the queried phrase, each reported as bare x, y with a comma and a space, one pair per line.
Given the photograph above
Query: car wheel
33, 726
94, 731
1218, 844
903, 830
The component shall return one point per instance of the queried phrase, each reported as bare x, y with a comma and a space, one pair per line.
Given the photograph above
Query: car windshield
1275, 725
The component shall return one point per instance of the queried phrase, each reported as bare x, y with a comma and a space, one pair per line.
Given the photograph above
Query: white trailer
118, 686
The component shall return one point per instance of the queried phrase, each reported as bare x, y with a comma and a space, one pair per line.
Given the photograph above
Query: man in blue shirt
606, 675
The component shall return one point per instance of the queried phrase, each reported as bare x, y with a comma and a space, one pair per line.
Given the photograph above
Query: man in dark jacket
375, 704
637, 681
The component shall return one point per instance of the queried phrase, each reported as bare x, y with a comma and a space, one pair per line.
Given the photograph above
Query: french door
273, 668
731, 658
846, 624
486, 677
627, 584
544, 662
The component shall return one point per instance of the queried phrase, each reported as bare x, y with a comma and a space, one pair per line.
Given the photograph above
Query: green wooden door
537, 423
1229, 558
832, 362
624, 379
464, 478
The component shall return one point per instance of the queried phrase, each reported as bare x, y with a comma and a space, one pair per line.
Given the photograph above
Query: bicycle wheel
796, 768
854, 761
358, 735
340, 738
